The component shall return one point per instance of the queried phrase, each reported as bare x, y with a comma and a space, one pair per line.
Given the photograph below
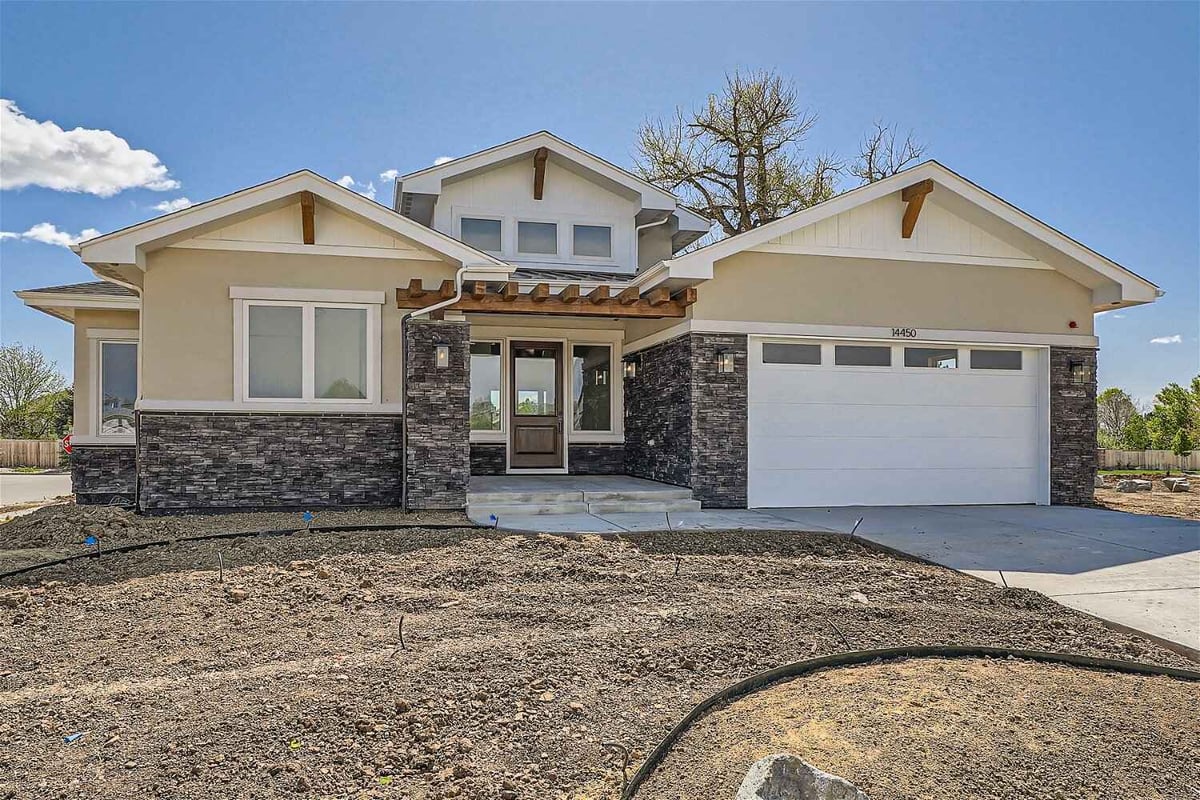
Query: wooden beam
569, 293
601, 294
446, 290
552, 306
416, 288
478, 289
659, 296
685, 297
510, 290
540, 293
308, 206
914, 196
629, 295
539, 171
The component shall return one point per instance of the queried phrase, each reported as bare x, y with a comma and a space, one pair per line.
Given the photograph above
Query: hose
796, 669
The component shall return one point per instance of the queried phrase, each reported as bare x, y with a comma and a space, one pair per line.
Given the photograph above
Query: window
538, 238
118, 387
485, 386
483, 234
939, 358
310, 351
593, 241
777, 353
849, 355
995, 359
535, 378
591, 366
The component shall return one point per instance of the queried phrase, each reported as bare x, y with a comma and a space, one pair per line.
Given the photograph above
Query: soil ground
916, 729
522, 656
1158, 500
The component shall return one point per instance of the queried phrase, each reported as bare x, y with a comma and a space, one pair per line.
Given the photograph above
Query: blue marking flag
71, 738
308, 517
91, 541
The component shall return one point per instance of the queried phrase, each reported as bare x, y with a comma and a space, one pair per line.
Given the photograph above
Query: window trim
503, 429
458, 220
308, 350
612, 387
98, 386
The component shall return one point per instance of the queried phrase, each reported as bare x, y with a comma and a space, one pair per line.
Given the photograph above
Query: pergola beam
508, 299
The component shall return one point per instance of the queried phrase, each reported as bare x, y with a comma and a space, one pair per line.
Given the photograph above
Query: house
535, 309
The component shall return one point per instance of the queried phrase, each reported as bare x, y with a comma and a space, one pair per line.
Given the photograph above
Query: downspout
458, 279
637, 232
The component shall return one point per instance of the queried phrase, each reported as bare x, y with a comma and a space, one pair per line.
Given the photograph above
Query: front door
536, 406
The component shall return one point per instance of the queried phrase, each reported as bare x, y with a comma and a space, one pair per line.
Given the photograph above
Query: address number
904, 333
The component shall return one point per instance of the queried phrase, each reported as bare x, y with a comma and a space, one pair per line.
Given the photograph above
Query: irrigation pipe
797, 669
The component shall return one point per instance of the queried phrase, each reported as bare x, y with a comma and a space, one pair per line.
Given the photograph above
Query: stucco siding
188, 333
770, 287
86, 320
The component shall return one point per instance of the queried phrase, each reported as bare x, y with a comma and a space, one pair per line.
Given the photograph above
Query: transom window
852, 355
787, 353
310, 351
996, 359
483, 234
537, 238
592, 241
936, 357
118, 387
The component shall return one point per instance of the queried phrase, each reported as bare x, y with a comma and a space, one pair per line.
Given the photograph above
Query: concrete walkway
1139, 571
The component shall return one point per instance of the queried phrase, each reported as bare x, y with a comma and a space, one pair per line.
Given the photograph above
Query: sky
1085, 115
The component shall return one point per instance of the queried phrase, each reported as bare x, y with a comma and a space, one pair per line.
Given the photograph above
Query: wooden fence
29, 453
1147, 459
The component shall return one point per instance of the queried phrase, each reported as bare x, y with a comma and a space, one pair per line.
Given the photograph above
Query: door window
535, 379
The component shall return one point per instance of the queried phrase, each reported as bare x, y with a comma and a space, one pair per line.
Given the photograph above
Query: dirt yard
983, 728
1185, 505
521, 656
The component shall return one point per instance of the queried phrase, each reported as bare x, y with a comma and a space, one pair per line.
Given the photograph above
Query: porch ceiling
513, 297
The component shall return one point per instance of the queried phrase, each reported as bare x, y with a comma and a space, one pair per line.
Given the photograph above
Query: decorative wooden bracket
915, 197
539, 171
308, 205
480, 297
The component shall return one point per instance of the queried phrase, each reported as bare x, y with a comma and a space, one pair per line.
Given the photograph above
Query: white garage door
856, 423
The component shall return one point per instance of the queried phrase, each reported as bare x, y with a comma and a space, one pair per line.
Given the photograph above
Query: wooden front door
536, 415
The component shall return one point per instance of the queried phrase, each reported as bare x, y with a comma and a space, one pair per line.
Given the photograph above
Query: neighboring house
916, 340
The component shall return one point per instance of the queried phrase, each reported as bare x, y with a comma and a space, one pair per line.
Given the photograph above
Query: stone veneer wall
488, 459
438, 455
104, 474
221, 460
596, 459
685, 422
1073, 460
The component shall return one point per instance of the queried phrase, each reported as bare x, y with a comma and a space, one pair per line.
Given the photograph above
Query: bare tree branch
880, 156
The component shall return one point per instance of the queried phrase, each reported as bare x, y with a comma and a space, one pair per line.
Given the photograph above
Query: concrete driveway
1136, 570
18, 488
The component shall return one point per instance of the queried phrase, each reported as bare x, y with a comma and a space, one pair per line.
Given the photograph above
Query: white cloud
367, 190
437, 162
47, 233
345, 181
98, 162
1175, 339
178, 204
389, 175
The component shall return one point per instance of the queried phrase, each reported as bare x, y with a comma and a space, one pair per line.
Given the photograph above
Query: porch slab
537, 484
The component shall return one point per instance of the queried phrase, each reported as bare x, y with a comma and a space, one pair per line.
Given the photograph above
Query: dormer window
592, 241
537, 238
482, 234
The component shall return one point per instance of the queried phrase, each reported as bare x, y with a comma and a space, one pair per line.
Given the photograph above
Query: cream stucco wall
188, 348
769, 287
93, 320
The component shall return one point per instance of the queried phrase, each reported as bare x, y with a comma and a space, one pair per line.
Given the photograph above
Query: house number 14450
904, 333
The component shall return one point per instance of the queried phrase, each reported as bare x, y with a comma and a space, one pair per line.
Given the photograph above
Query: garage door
856, 423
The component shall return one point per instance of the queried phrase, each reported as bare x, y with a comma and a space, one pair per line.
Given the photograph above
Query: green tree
1135, 435
1114, 409
1181, 445
29, 383
1175, 409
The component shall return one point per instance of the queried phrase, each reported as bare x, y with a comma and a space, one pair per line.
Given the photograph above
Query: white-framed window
117, 385
537, 238
592, 388
487, 386
317, 352
591, 241
482, 233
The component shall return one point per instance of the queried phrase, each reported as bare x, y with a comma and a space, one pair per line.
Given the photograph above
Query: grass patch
29, 470
1134, 471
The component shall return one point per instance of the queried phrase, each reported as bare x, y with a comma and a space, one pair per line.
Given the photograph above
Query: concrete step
643, 506
481, 511
638, 495
516, 498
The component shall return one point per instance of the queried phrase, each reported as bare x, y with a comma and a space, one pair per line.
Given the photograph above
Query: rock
1133, 485
1143, 486
237, 595
859, 597
1177, 484
786, 777
1099, 484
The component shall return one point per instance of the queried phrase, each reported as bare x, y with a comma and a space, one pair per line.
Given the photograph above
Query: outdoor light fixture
1081, 373
724, 361
441, 358
630, 369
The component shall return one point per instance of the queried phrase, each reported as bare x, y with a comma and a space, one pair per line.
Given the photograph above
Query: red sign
66, 444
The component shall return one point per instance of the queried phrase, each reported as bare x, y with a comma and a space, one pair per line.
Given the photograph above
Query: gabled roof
92, 288
1112, 285
129, 246
62, 301
416, 192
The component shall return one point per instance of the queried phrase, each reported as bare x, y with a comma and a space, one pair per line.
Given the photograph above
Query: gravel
522, 655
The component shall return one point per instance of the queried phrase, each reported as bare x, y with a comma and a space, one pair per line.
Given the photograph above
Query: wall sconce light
441, 357
630, 369
1081, 373
725, 361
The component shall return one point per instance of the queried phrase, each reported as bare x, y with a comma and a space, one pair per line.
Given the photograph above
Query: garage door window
937, 358
848, 355
779, 353
996, 359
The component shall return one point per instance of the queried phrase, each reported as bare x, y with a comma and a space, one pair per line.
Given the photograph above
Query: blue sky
1085, 115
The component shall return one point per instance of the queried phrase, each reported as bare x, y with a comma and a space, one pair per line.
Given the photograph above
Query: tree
1135, 435
1181, 445
27, 378
879, 156
1175, 409
1114, 409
